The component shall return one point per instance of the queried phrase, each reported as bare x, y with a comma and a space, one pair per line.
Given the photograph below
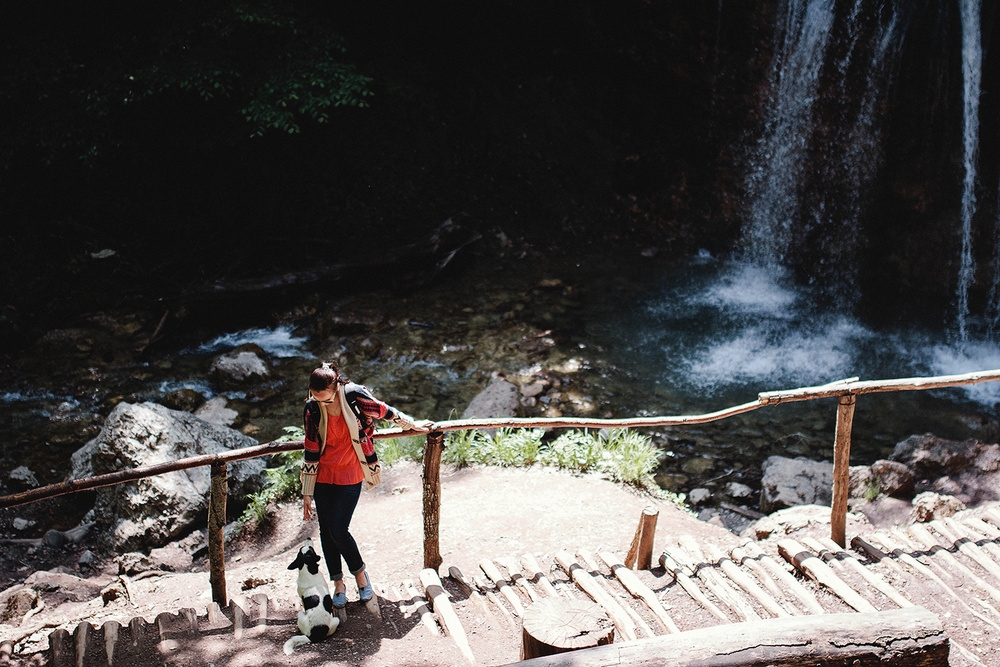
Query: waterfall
972, 60
800, 46
808, 185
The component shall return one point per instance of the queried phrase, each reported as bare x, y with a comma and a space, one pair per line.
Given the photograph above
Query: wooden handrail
839, 388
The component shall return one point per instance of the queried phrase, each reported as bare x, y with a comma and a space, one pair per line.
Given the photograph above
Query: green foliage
281, 482
280, 69
395, 449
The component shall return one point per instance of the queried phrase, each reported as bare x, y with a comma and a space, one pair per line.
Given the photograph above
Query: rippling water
625, 339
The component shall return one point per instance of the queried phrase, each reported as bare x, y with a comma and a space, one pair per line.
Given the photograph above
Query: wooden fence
846, 391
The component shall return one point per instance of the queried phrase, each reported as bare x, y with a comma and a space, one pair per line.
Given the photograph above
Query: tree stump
557, 625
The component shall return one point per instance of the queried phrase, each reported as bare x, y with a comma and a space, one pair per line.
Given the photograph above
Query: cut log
418, 605
745, 581
689, 585
491, 596
916, 566
640, 552
921, 533
534, 571
803, 594
622, 599
912, 637
849, 561
639, 590
715, 582
556, 625
814, 568
442, 606
493, 573
587, 584
740, 557
518, 578
468, 588
956, 535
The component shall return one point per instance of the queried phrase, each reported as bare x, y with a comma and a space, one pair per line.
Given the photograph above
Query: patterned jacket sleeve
371, 409
310, 461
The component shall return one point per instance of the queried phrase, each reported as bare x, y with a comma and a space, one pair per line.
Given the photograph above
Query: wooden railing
845, 390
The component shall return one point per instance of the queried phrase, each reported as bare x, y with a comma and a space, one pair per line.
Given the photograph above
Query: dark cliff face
560, 126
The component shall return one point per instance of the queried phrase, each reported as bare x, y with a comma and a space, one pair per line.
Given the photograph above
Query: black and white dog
316, 620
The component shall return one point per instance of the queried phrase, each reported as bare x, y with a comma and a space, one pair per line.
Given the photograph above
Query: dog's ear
297, 563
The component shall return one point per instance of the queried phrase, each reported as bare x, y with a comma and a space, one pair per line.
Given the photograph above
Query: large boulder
498, 400
968, 470
152, 511
243, 364
789, 482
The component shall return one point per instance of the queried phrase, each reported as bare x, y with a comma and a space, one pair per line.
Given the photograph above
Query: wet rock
697, 466
737, 490
882, 478
187, 400
699, 496
22, 479
789, 482
214, 411
239, 366
21, 525
152, 511
498, 400
928, 506
532, 390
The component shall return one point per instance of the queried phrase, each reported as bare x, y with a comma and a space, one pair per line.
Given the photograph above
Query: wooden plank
841, 468
740, 557
921, 533
514, 572
491, 596
852, 563
814, 568
442, 607
640, 552
610, 589
990, 535
713, 580
588, 585
956, 535
803, 594
912, 637
897, 552
468, 588
639, 590
745, 581
419, 606
534, 571
493, 573
688, 584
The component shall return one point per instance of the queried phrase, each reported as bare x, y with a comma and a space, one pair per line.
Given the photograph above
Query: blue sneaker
339, 600
365, 592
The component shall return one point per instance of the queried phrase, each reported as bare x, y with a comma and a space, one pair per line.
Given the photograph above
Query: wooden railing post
841, 468
432, 498
216, 524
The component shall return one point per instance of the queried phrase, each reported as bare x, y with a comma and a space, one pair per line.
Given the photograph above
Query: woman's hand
424, 425
307, 508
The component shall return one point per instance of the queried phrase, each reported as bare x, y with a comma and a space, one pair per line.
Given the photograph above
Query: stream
643, 337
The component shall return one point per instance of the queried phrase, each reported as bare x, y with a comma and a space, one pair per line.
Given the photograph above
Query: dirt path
485, 513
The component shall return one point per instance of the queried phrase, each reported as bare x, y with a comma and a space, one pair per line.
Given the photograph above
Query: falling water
794, 79
972, 59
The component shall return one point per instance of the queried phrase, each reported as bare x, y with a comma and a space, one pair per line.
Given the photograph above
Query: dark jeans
335, 505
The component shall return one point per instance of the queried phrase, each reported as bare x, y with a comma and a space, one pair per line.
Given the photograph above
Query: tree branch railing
845, 390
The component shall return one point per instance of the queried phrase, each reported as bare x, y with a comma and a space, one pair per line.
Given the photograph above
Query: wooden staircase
945, 566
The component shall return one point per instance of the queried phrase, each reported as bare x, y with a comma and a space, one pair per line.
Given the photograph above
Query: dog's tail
294, 642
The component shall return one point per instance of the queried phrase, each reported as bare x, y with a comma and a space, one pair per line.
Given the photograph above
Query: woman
340, 455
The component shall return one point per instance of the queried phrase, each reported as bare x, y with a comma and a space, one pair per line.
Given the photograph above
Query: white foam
279, 341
